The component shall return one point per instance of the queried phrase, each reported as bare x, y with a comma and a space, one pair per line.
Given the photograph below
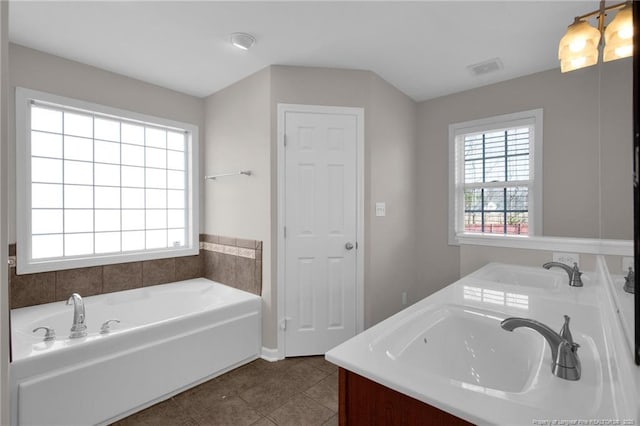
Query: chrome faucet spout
574, 273
564, 352
78, 328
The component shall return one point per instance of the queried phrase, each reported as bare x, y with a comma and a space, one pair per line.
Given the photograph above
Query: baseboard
270, 355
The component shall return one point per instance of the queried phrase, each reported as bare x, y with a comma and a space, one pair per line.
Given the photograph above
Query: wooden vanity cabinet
367, 403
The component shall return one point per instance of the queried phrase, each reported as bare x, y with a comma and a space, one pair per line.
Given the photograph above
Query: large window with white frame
495, 179
98, 185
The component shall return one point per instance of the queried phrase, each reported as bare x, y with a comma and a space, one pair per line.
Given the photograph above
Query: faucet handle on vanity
576, 280
630, 281
565, 333
106, 326
49, 335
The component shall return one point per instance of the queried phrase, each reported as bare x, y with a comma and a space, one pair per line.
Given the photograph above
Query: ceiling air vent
486, 67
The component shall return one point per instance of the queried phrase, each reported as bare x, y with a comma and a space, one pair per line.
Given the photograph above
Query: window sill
580, 245
97, 260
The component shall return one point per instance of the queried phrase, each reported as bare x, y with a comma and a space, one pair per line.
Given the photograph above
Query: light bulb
624, 51
577, 45
626, 32
578, 62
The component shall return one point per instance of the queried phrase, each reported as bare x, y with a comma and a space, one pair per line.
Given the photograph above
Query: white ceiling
422, 48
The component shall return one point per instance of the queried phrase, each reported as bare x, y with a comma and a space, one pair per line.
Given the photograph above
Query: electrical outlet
404, 298
381, 209
627, 262
567, 258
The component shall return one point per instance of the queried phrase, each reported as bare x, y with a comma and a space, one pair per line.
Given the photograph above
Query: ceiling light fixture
242, 41
580, 45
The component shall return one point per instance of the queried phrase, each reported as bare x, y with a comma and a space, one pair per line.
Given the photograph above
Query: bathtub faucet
564, 352
78, 329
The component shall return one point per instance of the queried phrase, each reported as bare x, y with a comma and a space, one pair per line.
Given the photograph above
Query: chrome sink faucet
574, 273
78, 329
565, 362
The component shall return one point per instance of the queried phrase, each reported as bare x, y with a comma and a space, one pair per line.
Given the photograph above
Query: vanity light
618, 36
579, 47
242, 41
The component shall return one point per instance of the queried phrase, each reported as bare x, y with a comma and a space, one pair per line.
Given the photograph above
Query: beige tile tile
31, 289
226, 241
84, 281
167, 413
241, 242
209, 238
333, 421
210, 262
301, 410
121, 276
264, 422
269, 394
188, 267
226, 269
325, 392
320, 363
226, 410
245, 275
158, 271
243, 378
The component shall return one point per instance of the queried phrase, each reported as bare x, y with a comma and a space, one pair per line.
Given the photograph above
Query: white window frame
25, 262
457, 235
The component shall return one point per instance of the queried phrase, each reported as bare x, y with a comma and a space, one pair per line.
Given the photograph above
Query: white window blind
496, 183
103, 187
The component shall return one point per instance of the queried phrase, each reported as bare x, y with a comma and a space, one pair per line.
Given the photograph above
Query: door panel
320, 219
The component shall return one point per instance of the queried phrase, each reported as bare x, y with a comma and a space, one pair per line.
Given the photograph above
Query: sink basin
467, 346
521, 276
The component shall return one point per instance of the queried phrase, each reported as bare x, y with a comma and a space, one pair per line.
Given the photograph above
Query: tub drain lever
106, 326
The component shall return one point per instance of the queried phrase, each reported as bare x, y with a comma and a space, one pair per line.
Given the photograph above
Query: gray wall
390, 172
236, 138
238, 122
587, 188
41, 71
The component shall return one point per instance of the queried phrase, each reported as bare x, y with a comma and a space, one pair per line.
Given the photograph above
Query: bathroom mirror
636, 188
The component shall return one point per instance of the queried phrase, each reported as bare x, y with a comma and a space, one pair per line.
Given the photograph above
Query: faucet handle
49, 335
630, 281
106, 326
565, 333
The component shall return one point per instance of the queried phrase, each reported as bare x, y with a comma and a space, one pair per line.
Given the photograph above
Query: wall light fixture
580, 45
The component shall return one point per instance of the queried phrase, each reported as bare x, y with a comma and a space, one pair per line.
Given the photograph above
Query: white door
321, 222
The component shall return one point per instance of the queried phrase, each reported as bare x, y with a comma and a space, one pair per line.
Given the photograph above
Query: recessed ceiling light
242, 41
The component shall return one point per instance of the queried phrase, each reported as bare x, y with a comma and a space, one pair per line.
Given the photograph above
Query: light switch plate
567, 258
381, 209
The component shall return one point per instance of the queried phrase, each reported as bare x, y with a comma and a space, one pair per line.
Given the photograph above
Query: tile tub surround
231, 261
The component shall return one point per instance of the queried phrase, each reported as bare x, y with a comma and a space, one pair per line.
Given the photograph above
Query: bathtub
170, 337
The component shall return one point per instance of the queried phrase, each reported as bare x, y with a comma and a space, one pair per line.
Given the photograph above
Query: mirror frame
636, 175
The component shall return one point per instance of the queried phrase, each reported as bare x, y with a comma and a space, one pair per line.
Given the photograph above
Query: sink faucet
564, 352
78, 329
574, 273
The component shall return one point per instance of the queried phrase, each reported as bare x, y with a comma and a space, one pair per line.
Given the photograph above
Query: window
96, 185
495, 179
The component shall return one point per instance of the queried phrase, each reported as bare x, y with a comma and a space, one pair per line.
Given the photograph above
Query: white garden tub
170, 337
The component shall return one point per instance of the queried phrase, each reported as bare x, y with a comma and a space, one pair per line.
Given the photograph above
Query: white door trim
280, 269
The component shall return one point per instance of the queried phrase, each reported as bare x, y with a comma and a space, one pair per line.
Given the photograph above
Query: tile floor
296, 391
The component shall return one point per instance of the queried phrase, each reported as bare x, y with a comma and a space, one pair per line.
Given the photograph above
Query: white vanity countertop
449, 351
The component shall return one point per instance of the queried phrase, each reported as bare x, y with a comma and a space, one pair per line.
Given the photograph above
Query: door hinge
285, 232
285, 140
356, 245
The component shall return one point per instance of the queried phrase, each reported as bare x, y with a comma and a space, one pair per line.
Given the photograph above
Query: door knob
348, 246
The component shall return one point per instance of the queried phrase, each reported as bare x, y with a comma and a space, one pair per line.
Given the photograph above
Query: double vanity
506, 344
